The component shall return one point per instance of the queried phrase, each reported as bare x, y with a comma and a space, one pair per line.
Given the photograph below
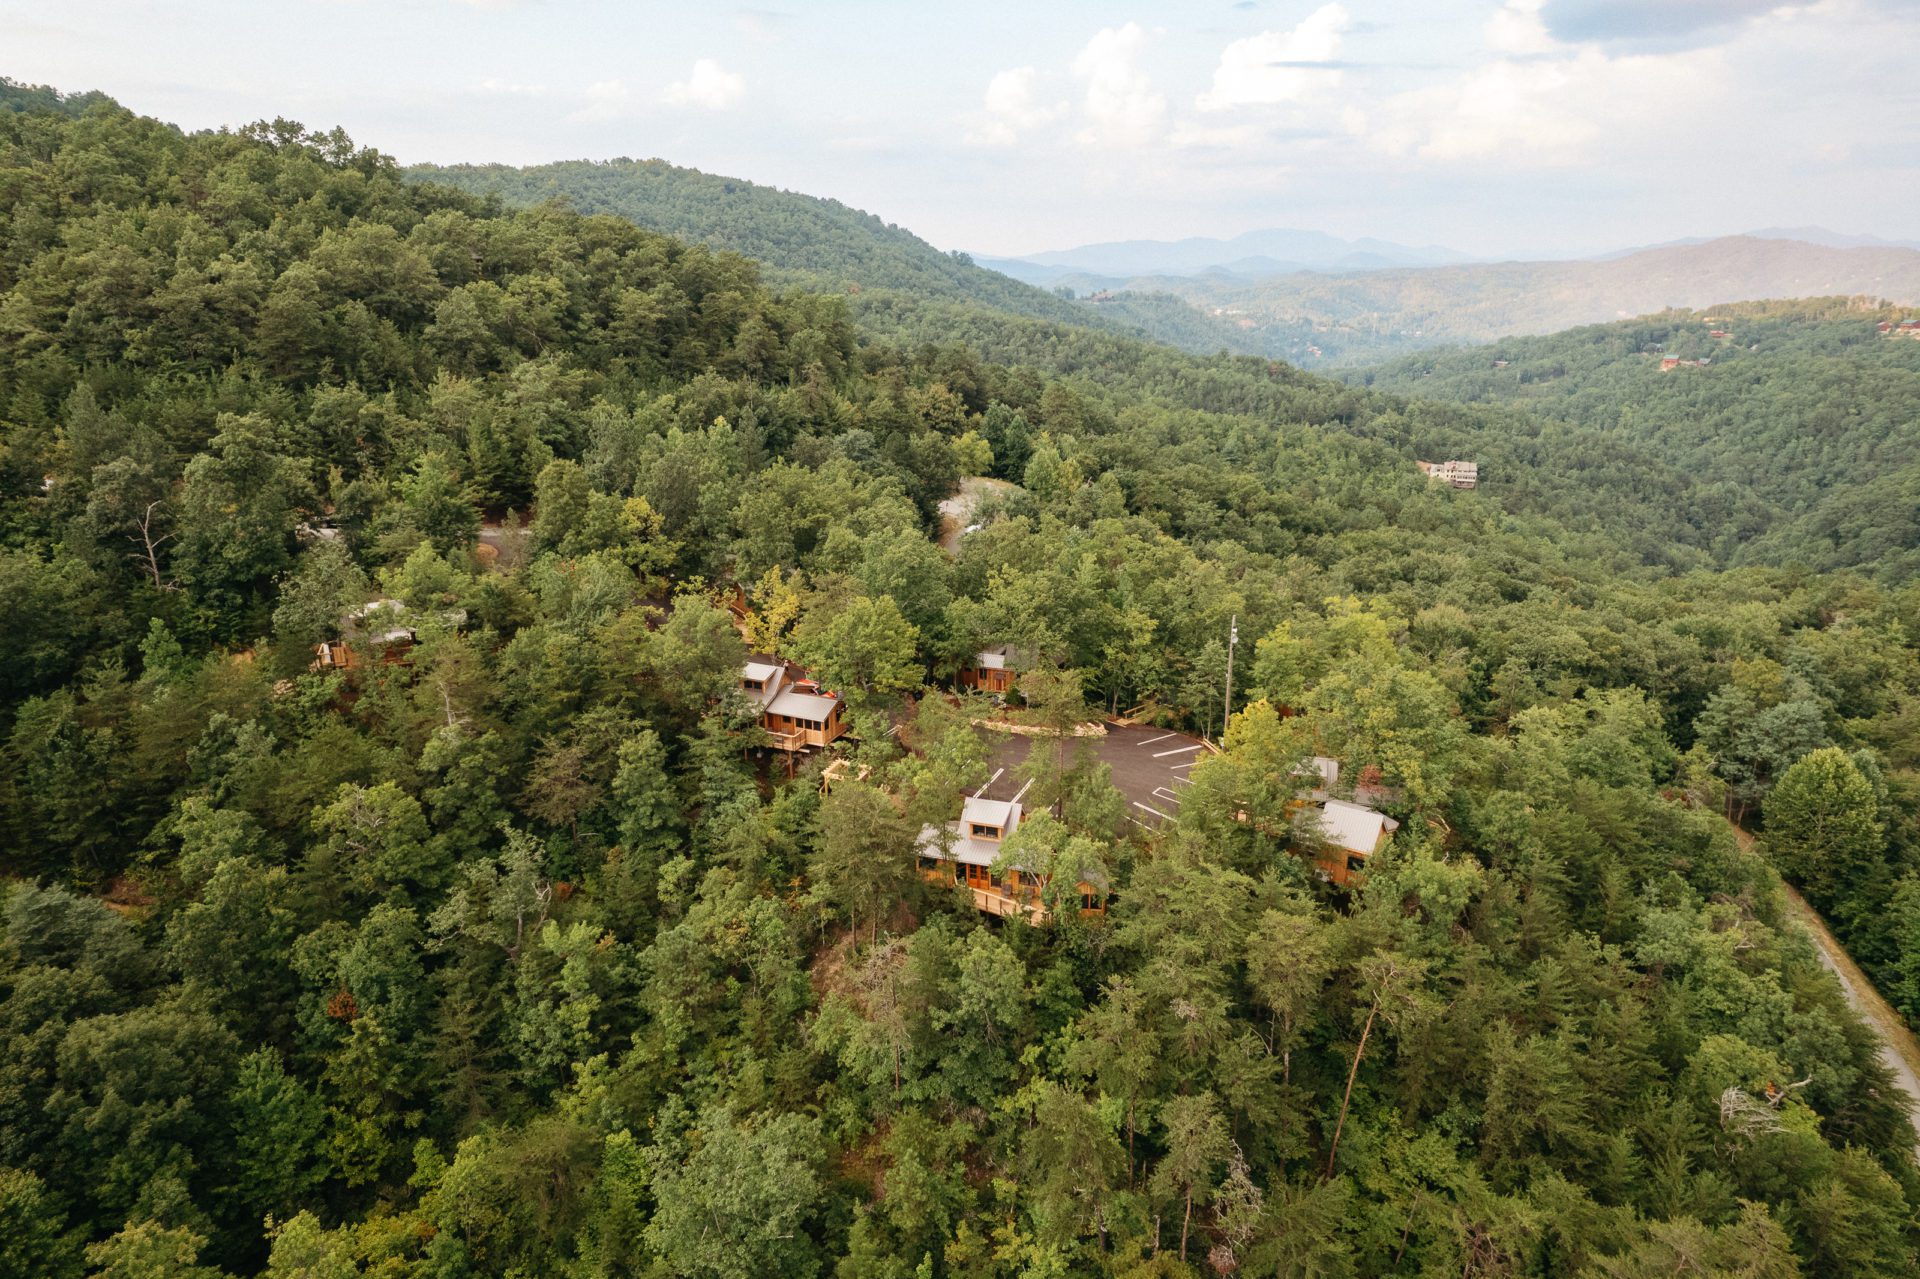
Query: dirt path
1898, 1047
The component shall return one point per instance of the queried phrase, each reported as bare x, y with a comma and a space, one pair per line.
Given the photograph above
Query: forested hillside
1799, 426
1354, 317
805, 241
516, 954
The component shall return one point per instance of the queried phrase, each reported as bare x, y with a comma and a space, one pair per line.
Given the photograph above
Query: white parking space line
1156, 812
1189, 764
990, 781
1021, 791
1151, 740
1137, 822
1161, 792
1183, 781
1178, 750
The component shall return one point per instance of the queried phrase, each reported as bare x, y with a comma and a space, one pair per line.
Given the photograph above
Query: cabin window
1355, 862
929, 863
753, 684
993, 879
980, 830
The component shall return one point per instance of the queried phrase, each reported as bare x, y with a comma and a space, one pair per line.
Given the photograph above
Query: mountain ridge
1311, 316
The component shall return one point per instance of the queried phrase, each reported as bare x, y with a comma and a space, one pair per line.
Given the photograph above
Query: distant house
962, 853
1885, 326
1462, 475
1906, 329
795, 710
1718, 333
992, 671
1351, 833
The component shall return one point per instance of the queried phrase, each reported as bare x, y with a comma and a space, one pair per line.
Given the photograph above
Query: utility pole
1233, 638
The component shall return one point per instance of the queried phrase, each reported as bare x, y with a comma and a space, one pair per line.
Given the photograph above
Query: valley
598, 721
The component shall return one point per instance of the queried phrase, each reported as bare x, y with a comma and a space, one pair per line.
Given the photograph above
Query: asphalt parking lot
1150, 767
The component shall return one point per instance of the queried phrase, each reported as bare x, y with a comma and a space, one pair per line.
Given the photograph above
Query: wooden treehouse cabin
797, 712
1349, 833
992, 671
963, 854
373, 634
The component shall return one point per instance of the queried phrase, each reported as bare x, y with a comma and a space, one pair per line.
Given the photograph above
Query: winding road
1898, 1047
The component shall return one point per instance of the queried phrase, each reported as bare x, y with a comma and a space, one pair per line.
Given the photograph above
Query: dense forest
519, 956
1798, 423
818, 244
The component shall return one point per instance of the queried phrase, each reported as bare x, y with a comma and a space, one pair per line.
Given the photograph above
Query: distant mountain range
1305, 296
1253, 255
1260, 254
1344, 317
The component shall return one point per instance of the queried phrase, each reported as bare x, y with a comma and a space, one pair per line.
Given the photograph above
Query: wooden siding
984, 680
1018, 893
790, 734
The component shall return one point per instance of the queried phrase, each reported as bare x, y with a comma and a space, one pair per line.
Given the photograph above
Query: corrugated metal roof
802, 705
1352, 827
1003, 813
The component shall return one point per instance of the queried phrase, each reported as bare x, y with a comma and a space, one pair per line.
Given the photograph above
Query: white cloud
1517, 28
1277, 67
709, 86
1552, 110
1121, 107
1012, 107
605, 100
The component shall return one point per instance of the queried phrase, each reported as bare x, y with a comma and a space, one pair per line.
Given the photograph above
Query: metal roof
1003, 813
802, 705
1353, 827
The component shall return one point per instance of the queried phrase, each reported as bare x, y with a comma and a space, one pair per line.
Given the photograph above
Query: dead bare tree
148, 556
1392, 979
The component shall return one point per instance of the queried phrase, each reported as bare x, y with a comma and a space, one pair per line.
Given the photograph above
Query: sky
1496, 127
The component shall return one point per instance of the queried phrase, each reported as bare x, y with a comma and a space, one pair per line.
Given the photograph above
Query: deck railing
994, 902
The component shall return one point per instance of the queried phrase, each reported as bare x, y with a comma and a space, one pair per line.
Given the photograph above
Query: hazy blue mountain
1270, 252
1831, 239
1321, 317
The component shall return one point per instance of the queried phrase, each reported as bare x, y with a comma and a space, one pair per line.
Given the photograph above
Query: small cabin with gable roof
963, 854
795, 710
1351, 833
992, 671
